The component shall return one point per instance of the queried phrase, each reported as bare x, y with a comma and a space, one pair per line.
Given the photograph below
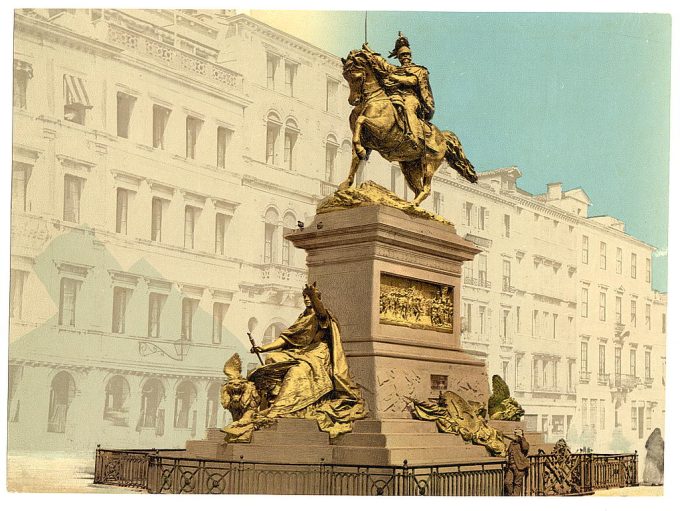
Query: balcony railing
625, 382
584, 376
648, 381
172, 57
327, 188
507, 288
469, 281
603, 378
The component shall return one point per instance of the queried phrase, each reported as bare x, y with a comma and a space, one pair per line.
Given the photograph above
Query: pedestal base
386, 442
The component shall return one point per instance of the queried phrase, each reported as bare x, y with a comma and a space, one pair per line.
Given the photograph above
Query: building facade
159, 159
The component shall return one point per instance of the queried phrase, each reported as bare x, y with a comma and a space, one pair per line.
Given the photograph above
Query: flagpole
366, 27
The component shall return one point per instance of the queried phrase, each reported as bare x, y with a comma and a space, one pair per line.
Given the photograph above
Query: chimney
554, 191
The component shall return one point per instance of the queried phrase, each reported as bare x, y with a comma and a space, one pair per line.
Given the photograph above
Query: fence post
97, 465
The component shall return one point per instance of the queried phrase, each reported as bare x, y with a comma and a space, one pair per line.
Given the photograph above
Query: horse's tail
456, 157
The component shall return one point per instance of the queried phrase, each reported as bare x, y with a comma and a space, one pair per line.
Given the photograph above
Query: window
151, 415
481, 271
220, 231
648, 316
291, 71
160, 121
602, 417
506, 275
223, 139
117, 393
273, 129
554, 326
593, 412
76, 100
20, 175
584, 413
289, 139
633, 362
584, 358
188, 308
193, 128
189, 226
185, 400
618, 310
156, 302
505, 313
633, 417
517, 318
16, 292
219, 310
534, 323
603, 306
271, 221
332, 95
468, 213
23, 72
619, 260
648, 270
603, 255
648, 365
482, 319
62, 392
289, 224
331, 156
584, 250
482, 217
584, 302
156, 218
602, 360
125, 104
617, 362
272, 64
506, 224
437, 203
633, 266
633, 312
120, 298
467, 314
72, 190
121, 210
67, 301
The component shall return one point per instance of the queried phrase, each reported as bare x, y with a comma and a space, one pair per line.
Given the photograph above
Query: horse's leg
356, 138
354, 166
429, 168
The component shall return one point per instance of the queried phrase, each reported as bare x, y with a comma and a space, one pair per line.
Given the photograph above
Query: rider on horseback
408, 87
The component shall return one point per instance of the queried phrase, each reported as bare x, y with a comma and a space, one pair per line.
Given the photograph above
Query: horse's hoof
344, 185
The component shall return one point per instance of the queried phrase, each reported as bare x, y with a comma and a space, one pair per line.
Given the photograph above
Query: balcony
327, 188
584, 377
507, 288
175, 58
469, 281
625, 382
648, 381
603, 378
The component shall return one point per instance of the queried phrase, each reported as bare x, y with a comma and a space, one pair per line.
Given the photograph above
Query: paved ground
73, 473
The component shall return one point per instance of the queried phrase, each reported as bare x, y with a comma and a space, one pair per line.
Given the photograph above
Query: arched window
289, 139
345, 160
212, 408
185, 406
273, 130
271, 222
272, 332
151, 414
331, 157
289, 224
116, 401
62, 391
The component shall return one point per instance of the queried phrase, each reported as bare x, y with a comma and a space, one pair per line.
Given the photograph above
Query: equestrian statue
393, 106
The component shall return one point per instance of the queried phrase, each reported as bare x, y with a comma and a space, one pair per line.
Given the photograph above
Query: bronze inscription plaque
415, 303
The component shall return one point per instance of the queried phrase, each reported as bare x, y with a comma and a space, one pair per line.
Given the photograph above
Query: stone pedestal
354, 256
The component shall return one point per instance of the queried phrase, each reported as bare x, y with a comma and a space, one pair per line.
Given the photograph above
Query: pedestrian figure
653, 474
518, 464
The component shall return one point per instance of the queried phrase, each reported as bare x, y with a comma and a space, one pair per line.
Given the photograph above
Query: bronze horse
375, 124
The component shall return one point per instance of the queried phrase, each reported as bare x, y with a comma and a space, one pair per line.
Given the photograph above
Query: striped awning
75, 92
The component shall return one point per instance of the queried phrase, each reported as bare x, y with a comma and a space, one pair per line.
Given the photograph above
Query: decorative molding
125, 279
75, 270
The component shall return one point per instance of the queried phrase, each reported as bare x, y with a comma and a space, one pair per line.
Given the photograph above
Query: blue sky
581, 99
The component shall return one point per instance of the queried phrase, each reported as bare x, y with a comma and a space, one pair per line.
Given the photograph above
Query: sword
252, 341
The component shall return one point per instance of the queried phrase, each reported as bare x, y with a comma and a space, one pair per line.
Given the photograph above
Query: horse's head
354, 69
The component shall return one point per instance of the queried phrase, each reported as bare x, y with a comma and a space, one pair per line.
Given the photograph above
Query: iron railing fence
169, 472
